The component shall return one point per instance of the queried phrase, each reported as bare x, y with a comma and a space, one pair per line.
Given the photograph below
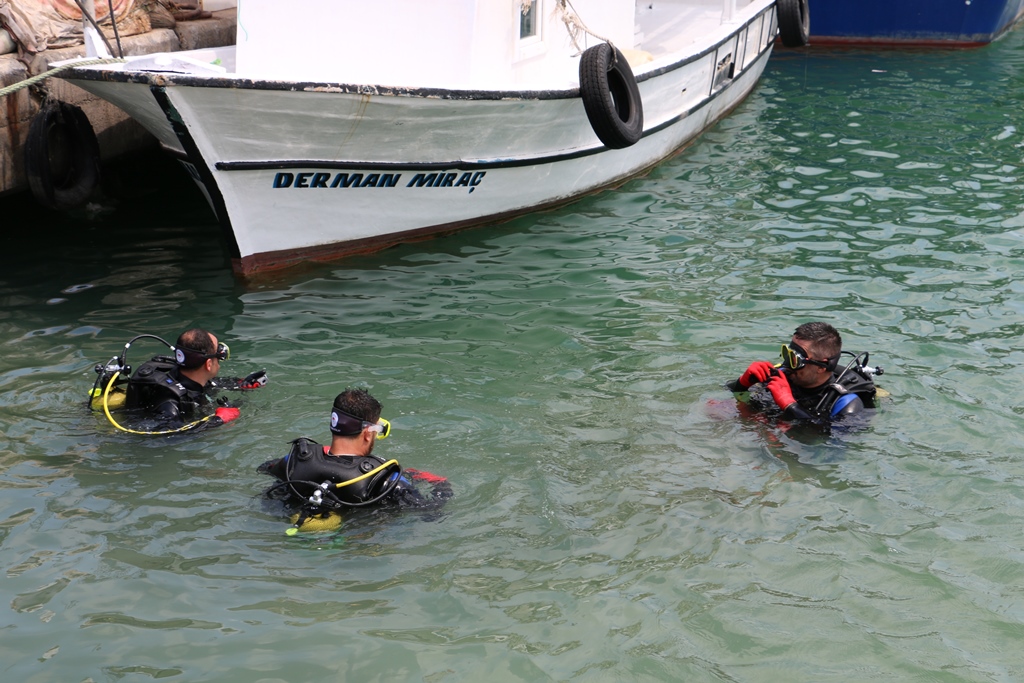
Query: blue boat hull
946, 23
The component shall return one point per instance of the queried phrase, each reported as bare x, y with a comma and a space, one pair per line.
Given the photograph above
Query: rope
52, 72
575, 26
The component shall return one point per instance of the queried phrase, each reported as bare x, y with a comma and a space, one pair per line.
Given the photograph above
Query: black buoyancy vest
851, 381
307, 466
155, 381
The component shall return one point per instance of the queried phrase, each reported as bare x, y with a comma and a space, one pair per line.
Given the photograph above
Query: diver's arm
440, 489
735, 387
275, 468
253, 380
795, 411
169, 412
782, 392
223, 415
758, 371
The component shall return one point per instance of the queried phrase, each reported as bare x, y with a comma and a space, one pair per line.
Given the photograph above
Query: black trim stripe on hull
174, 79
252, 266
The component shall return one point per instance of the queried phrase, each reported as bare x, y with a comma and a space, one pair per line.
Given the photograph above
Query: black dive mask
795, 357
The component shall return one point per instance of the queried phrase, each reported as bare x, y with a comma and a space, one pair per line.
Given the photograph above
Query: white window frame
531, 46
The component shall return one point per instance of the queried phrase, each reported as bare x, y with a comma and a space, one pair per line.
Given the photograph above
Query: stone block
117, 133
216, 31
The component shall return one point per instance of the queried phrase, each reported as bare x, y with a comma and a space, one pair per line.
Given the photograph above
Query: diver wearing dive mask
322, 480
173, 389
807, 384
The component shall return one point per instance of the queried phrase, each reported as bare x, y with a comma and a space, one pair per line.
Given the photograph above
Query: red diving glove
254, 381
227, 414
781, 392
759, 371
425, 476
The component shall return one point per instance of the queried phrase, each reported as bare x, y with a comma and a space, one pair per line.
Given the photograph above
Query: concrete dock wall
116, 132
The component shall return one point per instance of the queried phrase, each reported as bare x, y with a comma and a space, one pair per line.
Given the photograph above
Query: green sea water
614, 518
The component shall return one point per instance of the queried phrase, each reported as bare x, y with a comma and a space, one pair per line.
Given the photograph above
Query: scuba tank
112, 370
108, 391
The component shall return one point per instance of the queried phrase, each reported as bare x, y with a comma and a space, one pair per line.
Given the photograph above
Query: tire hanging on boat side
62, 156
611, 96
794, 22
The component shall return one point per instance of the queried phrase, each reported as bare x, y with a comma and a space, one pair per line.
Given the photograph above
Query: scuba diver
808, 385
322, 480
174, 390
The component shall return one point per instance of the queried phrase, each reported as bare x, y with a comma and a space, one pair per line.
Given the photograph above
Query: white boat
336, 127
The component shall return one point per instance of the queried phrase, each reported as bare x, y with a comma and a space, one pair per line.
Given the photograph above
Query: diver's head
812, 354
356, 422
823, 337
198, 354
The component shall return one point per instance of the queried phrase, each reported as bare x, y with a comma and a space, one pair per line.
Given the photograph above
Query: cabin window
527, 19
529, 16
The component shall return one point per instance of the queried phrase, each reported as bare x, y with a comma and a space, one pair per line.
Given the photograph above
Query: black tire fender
794, 22
62, 156
611, 96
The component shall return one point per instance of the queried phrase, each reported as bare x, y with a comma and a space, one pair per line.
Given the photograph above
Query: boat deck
669, 26
663, 32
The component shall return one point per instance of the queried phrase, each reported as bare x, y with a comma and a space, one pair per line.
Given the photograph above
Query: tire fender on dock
794, 22
611, 96
62, 156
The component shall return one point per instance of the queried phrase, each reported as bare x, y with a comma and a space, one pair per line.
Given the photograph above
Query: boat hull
302, 171
938, 23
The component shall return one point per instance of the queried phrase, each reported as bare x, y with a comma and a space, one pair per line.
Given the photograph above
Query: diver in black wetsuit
346, 474
808, 385
174, 390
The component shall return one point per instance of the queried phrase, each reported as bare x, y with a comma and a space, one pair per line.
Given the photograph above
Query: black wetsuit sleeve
735, 386
275, 468
408, 493
251, 381
441, 491
797, 412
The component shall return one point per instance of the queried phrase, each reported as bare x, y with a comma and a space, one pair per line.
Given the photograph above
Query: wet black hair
193, 348
351, 408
